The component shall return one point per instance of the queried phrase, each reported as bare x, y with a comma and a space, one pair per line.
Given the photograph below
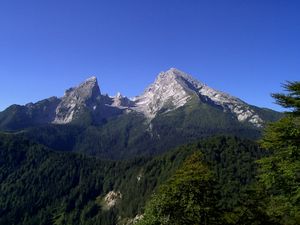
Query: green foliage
292, 99
189, 197
212, 181
39, 186
280, 171
229, 163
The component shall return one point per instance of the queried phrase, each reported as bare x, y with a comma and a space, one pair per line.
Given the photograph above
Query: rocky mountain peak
174, 88
75, 99
172, 73
168, 92
85, 90
178, 75
91, 79
171, 89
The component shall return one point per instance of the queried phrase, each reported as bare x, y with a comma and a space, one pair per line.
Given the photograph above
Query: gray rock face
86, 95
87, 98
166, 92
174, 88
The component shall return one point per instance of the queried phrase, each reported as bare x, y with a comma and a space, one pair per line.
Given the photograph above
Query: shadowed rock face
43, 111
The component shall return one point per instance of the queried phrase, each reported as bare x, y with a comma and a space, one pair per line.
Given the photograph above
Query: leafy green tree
280, 171
189, 197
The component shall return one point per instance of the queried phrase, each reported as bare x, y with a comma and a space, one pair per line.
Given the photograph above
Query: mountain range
175, 109
48, 174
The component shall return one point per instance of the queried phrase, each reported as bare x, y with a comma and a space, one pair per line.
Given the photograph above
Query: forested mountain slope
40, 186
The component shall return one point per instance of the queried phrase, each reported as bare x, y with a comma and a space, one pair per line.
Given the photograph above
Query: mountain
47, 174
175, 109
86, 96
173, 89
81, 104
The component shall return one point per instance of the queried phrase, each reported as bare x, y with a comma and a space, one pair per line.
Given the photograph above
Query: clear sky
244, 47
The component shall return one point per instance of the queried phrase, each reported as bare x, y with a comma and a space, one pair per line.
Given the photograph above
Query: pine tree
280, 171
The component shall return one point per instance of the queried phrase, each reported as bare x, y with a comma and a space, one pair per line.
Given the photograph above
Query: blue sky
244, 47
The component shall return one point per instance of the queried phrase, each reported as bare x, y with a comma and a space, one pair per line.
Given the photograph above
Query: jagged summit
176, 73
174, 88
90, 85
75, 99
167, 92
180, 76
91, 79
86, 88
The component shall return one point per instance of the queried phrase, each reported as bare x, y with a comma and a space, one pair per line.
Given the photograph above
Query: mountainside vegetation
280, 171
40, 186
274, 197
132, 135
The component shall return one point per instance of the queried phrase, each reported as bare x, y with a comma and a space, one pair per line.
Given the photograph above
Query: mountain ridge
176, 109
171, 90
184, 83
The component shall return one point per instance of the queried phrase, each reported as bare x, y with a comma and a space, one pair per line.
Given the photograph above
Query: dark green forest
222, 179
194, 194
40, 186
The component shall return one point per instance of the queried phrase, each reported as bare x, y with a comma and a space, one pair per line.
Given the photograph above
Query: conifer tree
280, 171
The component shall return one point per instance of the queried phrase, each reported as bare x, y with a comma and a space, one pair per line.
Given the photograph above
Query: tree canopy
189, 197
280, 171
292, 99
